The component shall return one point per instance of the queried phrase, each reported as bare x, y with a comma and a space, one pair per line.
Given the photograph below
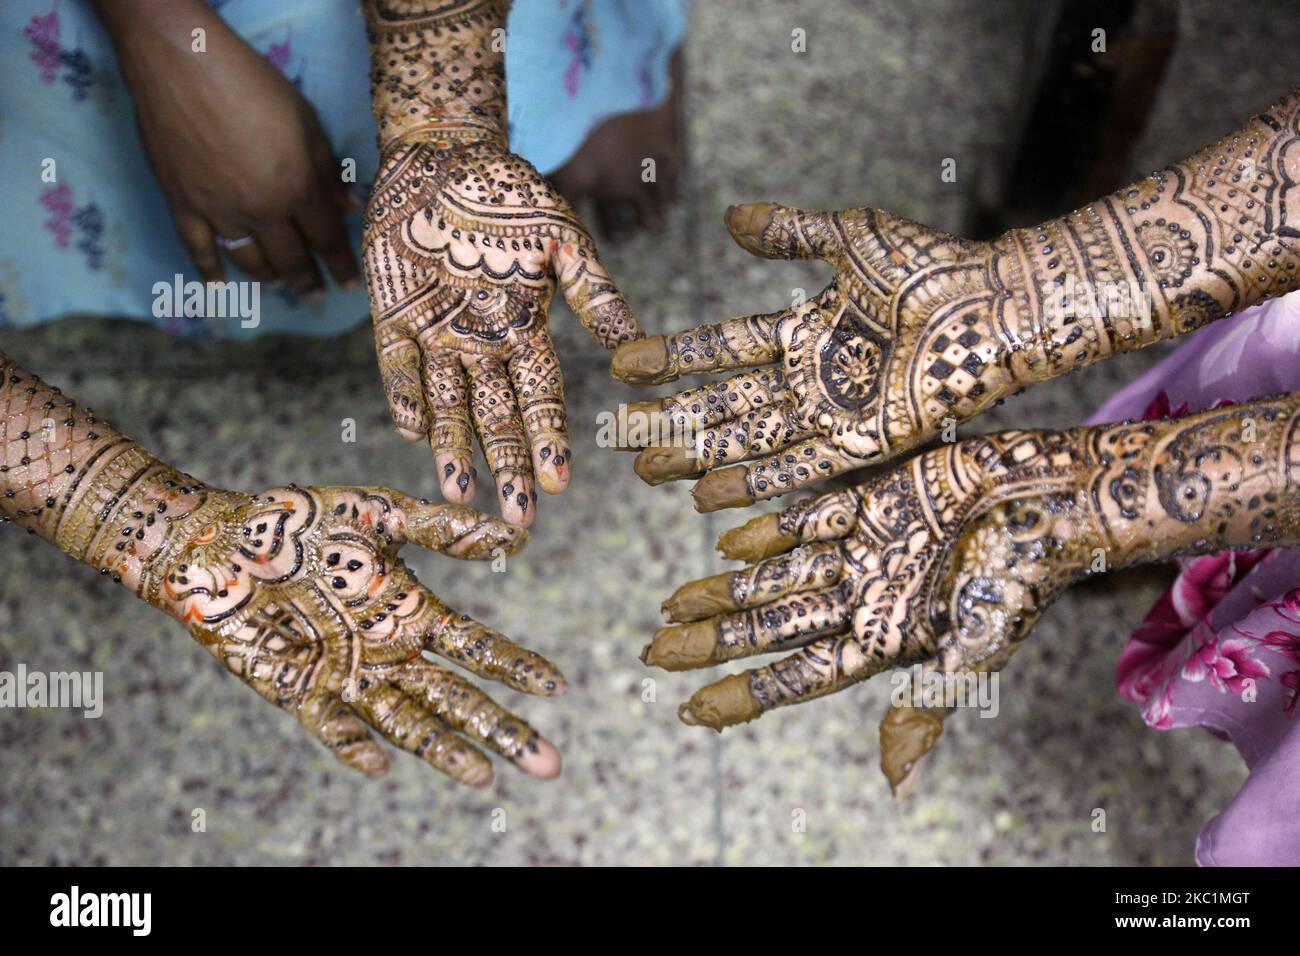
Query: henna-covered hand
464, 243
948, 559
919, 329
297, 591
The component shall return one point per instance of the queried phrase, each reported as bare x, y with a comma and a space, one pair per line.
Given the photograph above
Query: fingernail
542, 761
478, 775
642, 362
724, 704
646, 423
654, 466
906, 735
551, 481
701, 599
755, 540
746, 223
681, 647
722, 489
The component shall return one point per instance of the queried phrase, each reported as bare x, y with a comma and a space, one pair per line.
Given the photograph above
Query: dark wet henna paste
920, 329
950, 558
464, 245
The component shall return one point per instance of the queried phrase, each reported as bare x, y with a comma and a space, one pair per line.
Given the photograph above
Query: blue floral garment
99, 237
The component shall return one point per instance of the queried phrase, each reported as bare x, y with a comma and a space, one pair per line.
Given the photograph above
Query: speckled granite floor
884, 92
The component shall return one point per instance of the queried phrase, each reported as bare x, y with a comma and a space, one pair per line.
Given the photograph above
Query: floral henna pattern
299, 592
919, 329
464, 246
949, 559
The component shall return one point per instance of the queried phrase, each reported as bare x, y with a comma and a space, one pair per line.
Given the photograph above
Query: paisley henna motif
464, 245
297, 591
919, 329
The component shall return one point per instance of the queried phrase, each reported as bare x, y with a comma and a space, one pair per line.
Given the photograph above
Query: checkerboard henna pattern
919, 329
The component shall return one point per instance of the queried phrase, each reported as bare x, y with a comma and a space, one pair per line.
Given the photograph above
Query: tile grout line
694, 284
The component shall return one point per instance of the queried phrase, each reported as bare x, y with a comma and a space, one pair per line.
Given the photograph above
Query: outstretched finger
447, 393
829, 517
457, 530
752, 435
823, 667
818, 565
339, 728
592, 295
460, 638
399, 370
789, 621
907, 734
801, 465
539, 387
782, 232
407, 722
742, 342
469, 710
714, 403
500, 431
678, 417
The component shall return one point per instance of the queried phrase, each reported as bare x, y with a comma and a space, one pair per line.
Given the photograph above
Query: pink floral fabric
1221, 649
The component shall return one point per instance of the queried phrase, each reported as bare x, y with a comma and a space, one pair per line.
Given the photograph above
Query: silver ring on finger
238, 243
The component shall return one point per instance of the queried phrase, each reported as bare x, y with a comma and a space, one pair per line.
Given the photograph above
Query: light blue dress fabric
99, 237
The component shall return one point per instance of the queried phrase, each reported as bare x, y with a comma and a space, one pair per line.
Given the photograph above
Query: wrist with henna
299, 592
919, 328
437, 69
1187, 245
82, 485
949, 559
464, 244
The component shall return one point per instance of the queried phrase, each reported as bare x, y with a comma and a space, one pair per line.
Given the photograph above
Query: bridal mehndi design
948, 559
919, 329
297, 591
463, 244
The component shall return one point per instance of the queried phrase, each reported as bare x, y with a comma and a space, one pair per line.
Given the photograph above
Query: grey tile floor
882, 95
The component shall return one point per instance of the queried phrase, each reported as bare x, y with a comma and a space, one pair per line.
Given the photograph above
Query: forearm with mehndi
82, 485
437, 69
920, 329
1194, 242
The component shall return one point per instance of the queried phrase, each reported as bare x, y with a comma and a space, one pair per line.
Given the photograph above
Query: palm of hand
946, 561
464, 244
301, 594
897, 342
904, 338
